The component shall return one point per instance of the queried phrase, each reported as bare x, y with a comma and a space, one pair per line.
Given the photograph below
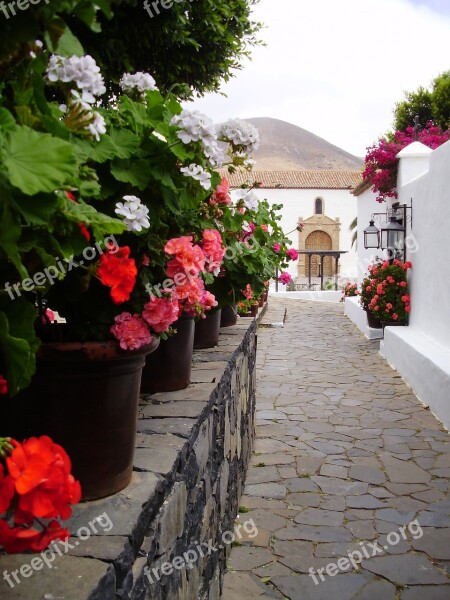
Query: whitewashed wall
430, 247
300, 203
421, 352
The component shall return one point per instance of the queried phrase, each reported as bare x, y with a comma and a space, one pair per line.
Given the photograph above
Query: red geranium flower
83, 229
3, 386
118, 271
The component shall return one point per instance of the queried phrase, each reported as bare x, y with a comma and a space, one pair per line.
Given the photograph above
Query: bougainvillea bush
385, 291
381, 164
36, 489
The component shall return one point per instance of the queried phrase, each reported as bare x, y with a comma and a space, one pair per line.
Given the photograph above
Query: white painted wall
300, 203
421, 351
430, 275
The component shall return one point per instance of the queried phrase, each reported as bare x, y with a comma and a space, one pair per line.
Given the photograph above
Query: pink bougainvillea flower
131, 331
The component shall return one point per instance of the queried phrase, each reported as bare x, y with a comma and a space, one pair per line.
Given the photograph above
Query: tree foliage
195, 45
429, 104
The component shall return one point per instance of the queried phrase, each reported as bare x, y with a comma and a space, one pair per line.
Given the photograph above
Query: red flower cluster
118, 271
385, 291
37, 485
3, 386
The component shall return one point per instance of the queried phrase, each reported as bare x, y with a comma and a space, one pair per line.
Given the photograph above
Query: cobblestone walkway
345, 457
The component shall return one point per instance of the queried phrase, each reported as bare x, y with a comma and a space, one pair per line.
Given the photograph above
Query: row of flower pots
94, 387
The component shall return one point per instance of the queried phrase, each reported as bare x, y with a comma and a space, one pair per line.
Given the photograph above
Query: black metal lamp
393, 236
371, 236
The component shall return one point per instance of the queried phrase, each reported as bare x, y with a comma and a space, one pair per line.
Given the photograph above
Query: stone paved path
345, 457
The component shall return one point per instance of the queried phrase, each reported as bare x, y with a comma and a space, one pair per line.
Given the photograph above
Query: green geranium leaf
135, 172
9, 236
7, 122
101, 224
37, 162
69, 45
19, 343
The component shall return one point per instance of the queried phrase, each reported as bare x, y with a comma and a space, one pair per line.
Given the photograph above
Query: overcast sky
337, 67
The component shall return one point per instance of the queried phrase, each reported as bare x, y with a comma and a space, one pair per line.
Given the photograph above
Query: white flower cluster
249, 198
197, 127
84, 72
140, 81
197, 172
240, 133
134, 213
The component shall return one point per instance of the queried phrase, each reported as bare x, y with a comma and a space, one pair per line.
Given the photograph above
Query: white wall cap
415, 150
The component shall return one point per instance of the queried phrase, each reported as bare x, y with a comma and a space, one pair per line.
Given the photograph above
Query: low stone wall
193, 450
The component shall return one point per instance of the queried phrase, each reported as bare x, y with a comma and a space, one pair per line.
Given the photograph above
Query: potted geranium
36, 489
350, 290
390, 301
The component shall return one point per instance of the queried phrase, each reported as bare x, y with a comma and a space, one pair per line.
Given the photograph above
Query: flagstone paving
345, 457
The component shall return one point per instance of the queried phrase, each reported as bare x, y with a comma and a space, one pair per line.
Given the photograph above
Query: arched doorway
319, 240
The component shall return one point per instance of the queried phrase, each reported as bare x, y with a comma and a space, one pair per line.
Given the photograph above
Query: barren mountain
286, 147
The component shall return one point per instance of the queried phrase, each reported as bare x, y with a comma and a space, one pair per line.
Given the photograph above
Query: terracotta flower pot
169, 368
207, 330
85, 396
229, 316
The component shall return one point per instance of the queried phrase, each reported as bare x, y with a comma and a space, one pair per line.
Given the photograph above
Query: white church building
324, 203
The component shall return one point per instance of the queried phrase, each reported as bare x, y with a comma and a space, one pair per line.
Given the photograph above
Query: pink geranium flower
160, 313
221, 194
213, 250
285, 278
189, 257
292, 254
276, 248
131, 331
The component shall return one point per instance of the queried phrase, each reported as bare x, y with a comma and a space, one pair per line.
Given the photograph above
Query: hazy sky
337, 67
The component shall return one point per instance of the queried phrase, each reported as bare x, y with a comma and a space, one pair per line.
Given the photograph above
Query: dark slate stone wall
192, 453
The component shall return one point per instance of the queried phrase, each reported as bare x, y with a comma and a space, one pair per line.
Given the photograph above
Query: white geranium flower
98, 126
240, 133
81, 70
251, 201
197, 172
140, 81
134, 213
194, 127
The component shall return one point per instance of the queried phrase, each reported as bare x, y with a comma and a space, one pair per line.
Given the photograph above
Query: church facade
323, 202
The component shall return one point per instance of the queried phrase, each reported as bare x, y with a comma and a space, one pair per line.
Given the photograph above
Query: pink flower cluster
160, 313
292, 254
213, 250
285, 278
133, 331
221, 194
185, 268
248, 292
381, 164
